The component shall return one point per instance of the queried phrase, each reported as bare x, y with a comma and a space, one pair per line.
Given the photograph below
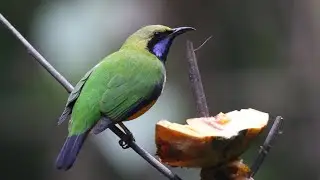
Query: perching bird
123, 86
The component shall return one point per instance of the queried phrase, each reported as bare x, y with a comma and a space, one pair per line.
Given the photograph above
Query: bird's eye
157, 33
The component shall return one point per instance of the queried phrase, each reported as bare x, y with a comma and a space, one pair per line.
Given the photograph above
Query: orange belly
142, 111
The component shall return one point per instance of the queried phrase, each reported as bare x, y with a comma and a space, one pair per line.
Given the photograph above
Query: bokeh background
264, 54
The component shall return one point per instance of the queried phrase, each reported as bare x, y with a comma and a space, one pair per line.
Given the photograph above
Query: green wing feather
73, 97
121, 101
126, 101
121, 83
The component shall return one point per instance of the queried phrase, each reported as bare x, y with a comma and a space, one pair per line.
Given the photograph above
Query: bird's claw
126, 140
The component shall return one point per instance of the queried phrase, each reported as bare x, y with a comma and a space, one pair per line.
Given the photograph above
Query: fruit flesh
206, 142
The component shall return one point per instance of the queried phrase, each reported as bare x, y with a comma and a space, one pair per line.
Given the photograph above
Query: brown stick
209, 173
196, 83
275, 131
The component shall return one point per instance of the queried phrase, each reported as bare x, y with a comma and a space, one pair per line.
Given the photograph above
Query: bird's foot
127, 139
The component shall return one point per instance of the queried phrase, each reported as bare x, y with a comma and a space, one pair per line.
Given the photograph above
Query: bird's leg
124, 142
127, 131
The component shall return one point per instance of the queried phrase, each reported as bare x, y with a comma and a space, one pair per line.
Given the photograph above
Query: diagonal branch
275, 131
31, 50
143, 153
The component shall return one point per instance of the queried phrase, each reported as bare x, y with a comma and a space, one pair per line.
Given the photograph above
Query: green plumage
118, 88
120, 82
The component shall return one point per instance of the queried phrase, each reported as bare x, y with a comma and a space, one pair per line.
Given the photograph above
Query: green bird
121, 87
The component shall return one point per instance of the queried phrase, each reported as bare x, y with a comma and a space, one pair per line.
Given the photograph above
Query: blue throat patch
161, 48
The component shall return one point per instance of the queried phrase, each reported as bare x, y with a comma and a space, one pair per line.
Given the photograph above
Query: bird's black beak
181, 30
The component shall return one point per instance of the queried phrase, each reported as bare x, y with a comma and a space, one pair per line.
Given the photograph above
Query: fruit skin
179, 149
233, 170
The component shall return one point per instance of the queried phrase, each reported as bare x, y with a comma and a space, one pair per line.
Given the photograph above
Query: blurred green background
264, 54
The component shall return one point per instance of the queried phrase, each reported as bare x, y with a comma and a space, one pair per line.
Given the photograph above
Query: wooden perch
233, 169
196, 83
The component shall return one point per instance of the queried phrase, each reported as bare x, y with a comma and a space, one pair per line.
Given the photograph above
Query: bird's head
156, 39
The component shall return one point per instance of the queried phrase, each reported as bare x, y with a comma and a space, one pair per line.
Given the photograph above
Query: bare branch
144, 154
275, 131
196, 84
31, 50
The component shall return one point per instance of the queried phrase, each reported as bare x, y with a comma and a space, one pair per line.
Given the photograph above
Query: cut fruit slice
207, 142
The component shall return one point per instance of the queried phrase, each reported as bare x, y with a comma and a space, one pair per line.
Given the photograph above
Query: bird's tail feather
70, 150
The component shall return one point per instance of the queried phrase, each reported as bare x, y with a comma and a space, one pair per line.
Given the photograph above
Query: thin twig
196, 49
44, 63
144, 154
276, 130
196, 84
